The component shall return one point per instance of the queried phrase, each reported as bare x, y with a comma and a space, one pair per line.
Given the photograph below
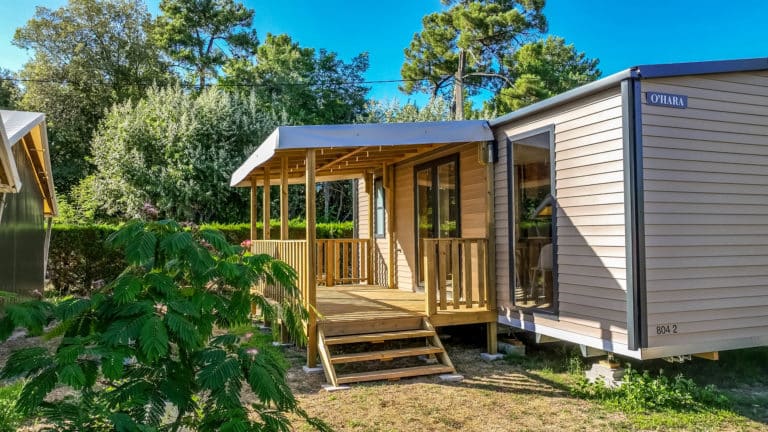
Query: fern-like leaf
215, 375
140, 250
184, 330
125, 288
153, 339
36, 389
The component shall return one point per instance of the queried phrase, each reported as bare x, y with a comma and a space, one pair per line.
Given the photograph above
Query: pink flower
253, 352
246, 244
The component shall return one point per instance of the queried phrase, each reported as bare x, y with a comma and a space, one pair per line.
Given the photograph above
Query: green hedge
79, 258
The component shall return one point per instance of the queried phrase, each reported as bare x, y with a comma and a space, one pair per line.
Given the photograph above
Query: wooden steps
402, 345
385, 355
393, 374
378, 337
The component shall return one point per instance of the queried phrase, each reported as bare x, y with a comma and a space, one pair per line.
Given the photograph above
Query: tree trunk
458, 89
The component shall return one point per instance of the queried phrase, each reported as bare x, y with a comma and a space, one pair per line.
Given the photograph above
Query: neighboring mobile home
27, 201
629, 215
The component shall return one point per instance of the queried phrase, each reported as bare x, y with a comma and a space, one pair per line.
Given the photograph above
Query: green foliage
202, 36
308, 86
488, 30
437, 109
176, 150
158, 335
87, 55
642, 392
79, 259
9, 90
543, 69
10, 419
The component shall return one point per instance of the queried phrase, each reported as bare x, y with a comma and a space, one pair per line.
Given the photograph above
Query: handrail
343, 261
455, 274
293, 253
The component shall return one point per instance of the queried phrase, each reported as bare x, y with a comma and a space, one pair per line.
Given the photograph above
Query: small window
378, 200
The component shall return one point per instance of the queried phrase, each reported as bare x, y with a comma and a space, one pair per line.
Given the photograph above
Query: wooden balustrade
455, 274
292, 252
342, 261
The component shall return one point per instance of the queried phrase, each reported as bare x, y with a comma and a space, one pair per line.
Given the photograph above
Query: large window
533, 207
378, 201
437, 201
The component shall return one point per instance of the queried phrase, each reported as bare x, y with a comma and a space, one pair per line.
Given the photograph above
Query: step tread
394, 373
385, 354
376, 337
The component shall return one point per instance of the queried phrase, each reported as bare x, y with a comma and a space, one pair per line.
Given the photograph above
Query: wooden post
490, 233
429, 278
266, 209
371, 231
311, 300
254, 230
389, 205
284, 232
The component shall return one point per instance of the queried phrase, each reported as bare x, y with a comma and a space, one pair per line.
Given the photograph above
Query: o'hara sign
666, 100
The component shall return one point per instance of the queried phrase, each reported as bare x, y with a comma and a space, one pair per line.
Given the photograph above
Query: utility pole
458, 89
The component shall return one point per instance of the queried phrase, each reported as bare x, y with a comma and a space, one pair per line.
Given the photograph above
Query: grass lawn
530, 393
535, 392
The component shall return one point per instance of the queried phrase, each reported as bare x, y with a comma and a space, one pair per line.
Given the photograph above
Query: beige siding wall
362, 209
381, 245
472, 197
706, 208
591, 229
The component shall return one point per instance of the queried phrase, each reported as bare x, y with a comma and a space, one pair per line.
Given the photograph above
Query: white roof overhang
29, 130
348, 150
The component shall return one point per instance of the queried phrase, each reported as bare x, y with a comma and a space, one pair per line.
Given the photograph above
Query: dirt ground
494, 396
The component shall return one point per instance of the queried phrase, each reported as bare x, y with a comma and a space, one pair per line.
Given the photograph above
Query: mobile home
629, 216
27, 201
632, 213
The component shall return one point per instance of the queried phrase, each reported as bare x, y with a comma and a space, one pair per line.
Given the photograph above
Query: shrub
642, 392
10, 419
79, 258
157, 337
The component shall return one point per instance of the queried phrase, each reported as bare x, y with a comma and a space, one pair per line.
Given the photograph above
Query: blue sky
620, 33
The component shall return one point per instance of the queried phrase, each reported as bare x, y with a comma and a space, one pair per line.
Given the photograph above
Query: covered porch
350, 286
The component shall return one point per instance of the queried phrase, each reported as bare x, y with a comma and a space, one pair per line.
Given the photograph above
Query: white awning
367, 135
27, 129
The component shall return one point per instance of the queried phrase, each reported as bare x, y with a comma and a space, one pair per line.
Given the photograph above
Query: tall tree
465, 45
9, 90
203, 35
175, 150
310, 86
87, 55
543, 69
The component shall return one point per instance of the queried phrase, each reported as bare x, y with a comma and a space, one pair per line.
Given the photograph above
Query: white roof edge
262, 154
14, 126
7, 161
361, 135
570, 95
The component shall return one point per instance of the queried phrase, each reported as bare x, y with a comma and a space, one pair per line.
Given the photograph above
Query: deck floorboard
368, 303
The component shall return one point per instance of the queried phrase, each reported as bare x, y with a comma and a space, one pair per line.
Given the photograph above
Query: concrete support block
313, 370
515, 348
603, 371
451, 378
330, 388
491, 357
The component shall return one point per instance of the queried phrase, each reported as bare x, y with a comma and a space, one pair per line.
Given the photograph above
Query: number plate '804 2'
665, 329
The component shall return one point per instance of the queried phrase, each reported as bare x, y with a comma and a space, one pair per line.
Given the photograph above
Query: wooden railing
455, 274
343, 261
292, 252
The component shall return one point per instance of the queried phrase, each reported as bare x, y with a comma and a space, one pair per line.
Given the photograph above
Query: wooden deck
359, 308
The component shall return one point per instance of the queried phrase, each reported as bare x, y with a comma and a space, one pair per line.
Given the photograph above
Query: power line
245, 85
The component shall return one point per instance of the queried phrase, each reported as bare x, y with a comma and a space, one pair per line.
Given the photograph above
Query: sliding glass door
437, 202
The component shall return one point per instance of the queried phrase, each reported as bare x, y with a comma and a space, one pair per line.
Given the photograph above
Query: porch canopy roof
350, 150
